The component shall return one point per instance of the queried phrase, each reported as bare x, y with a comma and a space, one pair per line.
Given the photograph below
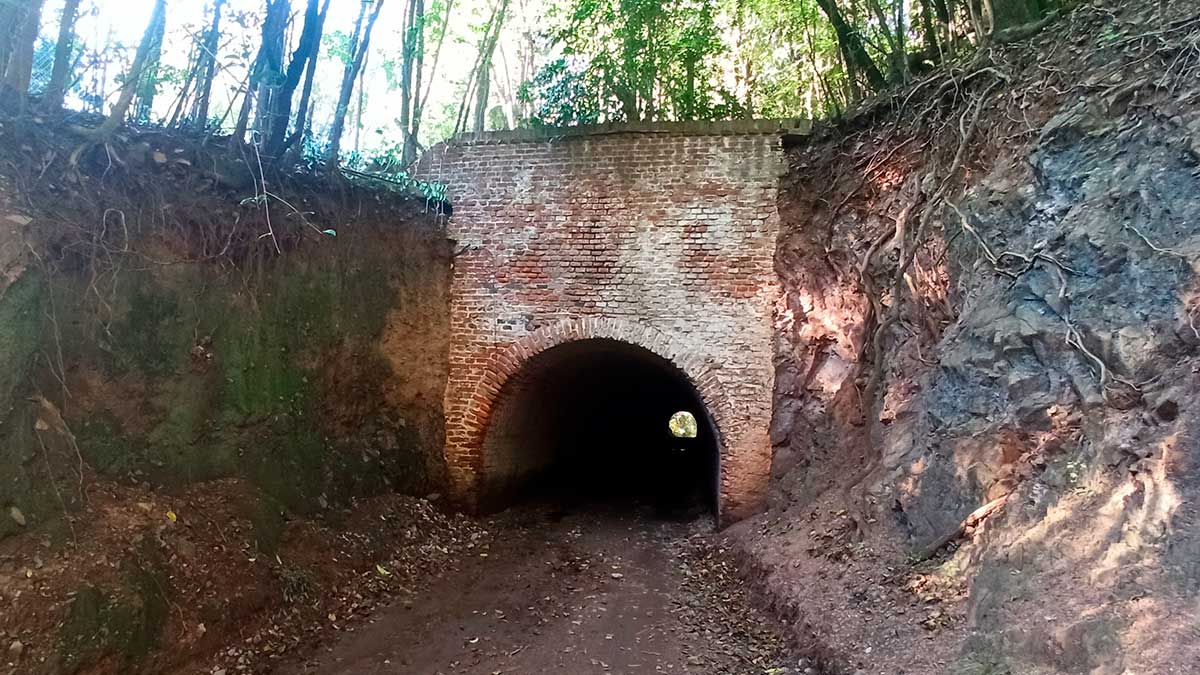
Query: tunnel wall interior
661, 237
587, 422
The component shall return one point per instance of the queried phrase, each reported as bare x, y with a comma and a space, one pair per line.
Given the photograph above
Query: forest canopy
369, 83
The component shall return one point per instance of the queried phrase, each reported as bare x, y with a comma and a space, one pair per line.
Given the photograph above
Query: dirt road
578, 593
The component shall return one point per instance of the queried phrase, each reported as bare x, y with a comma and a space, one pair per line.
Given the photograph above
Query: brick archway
656, 235
466, 448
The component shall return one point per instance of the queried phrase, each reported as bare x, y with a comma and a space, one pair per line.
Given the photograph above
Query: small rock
15, 650
16, 515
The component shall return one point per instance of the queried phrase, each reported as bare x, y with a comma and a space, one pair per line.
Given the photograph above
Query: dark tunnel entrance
587, 423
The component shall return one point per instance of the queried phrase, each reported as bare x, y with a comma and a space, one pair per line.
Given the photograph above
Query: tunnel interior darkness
587, 422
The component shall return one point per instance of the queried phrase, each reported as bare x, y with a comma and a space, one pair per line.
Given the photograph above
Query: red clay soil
229, 605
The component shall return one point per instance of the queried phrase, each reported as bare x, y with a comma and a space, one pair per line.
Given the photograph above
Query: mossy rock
125, 625
20, 335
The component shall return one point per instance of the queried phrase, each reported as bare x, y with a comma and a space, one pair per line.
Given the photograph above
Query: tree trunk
478, 69
271, 76
851, 45
24, 34
464, 106
437, 53
1011, 13
933, 50
158, 19
358, 53
896, 61
271, 23
362, 103
56, 90
148, 77
193, 67
10, 13
410, 79
483, 91
303, 58
408, 154
303, 111
208, 55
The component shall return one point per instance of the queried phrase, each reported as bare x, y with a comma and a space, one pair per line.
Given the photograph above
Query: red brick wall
662, 236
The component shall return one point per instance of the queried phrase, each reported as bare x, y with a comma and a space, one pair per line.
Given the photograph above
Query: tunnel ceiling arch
506, 365
659, 235
587, 420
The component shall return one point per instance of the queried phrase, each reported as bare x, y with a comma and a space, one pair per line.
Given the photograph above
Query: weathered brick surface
662, 237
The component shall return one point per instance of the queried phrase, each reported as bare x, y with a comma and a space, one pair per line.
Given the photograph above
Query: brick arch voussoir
504, 365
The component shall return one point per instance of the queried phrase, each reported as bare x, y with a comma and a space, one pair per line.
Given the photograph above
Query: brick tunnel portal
657, 236
587, 422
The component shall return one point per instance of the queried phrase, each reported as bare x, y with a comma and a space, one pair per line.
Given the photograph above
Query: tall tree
1008, 14
303, 61
640, 60
477, 79
851, 45
270, 60
158, 19
148, 73
486, 52
274, 25
56, 89
208, 66
359, 44
413, 55
443, 29
11, 12
23, 34
894, 39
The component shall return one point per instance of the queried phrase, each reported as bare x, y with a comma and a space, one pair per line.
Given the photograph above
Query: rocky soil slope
988, 356
215, 382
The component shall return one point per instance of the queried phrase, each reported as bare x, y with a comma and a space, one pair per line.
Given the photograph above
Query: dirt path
569, 593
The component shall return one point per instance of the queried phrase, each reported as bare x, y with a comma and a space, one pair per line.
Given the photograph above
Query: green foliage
337, 45
631, 60
561, 96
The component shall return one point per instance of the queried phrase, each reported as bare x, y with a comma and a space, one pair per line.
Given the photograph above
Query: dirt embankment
986, 426
215, 381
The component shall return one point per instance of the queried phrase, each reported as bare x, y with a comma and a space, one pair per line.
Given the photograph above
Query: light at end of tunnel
683, 424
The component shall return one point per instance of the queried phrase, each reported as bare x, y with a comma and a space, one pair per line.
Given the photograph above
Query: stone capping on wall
503, 366
781, 127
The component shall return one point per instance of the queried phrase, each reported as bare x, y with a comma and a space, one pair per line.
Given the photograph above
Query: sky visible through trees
372, 82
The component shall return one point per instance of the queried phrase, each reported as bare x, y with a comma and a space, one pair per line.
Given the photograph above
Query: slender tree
851, 45
359, 45
23, 34
270, 59
274, 25
56, 89
208, 66
411, 53
303, 61
158, 19
148, 74
11, 12
477, 86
